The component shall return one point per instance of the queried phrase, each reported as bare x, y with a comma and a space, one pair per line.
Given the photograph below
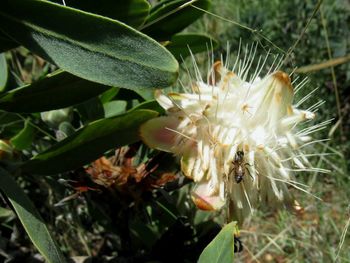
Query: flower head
237, 139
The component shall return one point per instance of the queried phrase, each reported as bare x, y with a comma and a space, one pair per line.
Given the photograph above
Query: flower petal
163, 100
277, 98
204, 201
160, 133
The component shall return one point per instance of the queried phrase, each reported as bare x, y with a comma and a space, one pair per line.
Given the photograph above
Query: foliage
77, 82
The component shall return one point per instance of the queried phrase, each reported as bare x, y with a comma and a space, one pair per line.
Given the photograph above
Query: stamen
180, 133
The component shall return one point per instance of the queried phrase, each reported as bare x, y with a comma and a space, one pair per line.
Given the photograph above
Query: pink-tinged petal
204, 201
159, 133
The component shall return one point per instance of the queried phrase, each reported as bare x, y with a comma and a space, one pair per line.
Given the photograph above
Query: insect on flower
238, 166
237, 123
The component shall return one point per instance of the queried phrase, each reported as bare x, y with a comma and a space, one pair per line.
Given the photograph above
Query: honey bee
239, 167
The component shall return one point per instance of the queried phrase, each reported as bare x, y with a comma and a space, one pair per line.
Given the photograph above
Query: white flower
229, 128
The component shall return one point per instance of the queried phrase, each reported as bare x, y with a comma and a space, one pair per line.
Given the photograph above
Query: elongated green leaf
3, 72
30, 219
181, 44
6, 215
131, 12
89, 143
146, 94
89, 46
170, 17
150, 105
221, 249
24, 138
55, 91
108, 95
114, 108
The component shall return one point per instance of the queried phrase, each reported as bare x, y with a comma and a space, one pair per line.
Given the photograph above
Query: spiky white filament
227, 114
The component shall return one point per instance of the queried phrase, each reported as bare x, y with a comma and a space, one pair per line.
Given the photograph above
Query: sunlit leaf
87, 45
221, 249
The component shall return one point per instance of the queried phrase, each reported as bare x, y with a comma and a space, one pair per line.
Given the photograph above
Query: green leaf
30, 219
3, 72
89, 143
221, 249
108, 95
150, 105
55, 91
89, 46
54, 118
65, 129
146, 94
172, 16
6, 215
181, 43
114, 108
131, 12
24, 138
